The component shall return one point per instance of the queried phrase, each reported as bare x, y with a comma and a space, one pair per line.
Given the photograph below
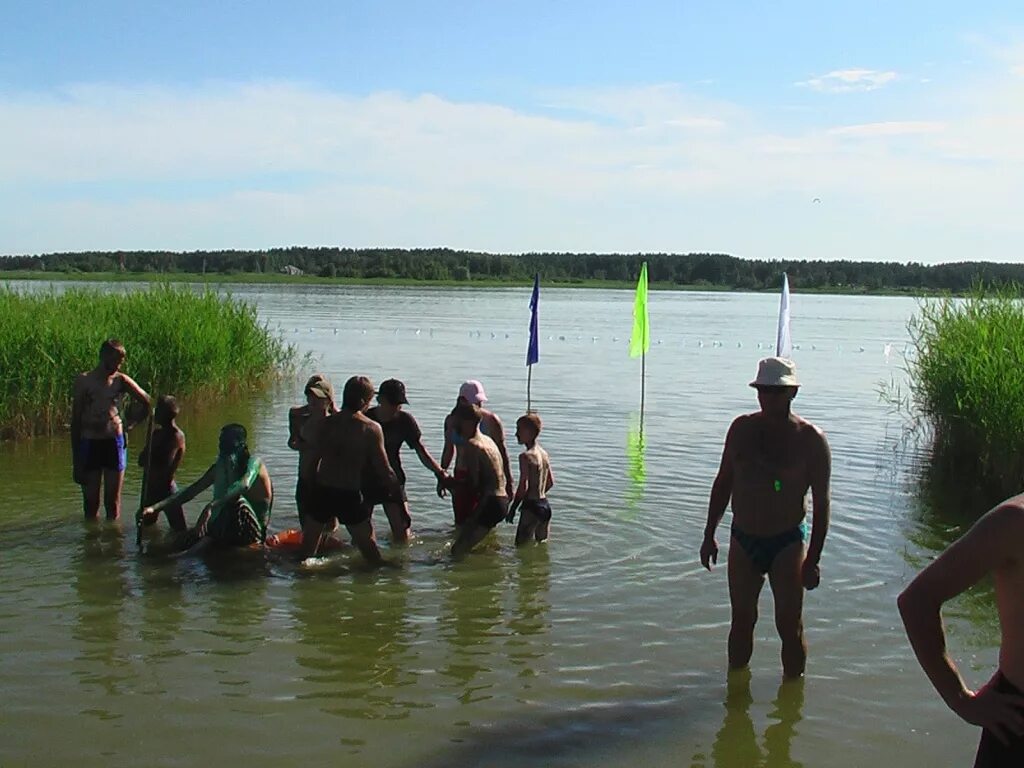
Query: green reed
967, 380
178, 340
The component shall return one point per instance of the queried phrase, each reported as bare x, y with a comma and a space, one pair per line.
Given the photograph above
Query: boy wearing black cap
319, 404
399, 428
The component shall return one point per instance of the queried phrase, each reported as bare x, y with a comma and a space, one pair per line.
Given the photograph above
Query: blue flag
533, 351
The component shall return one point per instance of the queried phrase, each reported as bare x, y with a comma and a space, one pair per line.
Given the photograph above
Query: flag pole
529, 381
643, 390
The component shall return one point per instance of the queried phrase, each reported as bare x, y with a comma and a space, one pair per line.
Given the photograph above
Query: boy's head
166, 410
528, 428
112, 354
358, 393
467, 419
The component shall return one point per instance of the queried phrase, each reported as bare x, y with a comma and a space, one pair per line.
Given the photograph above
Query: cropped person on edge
399, 428
482, 475
160, 460
242, 496
770, 460
463, 502
98, 448
535, 480
348, 448
994, 545
319, 405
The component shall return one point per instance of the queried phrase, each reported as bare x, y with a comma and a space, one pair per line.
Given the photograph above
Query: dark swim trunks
304, 497
539, 508
992, 753
464, 501
374, 495
110, 453
763, 550
492, 511
342, 503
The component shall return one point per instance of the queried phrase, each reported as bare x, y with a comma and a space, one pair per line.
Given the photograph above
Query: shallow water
607, 644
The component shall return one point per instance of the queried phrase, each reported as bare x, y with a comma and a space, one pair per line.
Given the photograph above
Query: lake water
605, 645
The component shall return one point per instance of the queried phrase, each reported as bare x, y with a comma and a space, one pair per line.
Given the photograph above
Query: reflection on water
736, 743
102, 589
530, 621
636, 468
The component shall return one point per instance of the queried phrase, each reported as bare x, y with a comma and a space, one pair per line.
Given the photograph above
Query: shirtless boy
242, 496
994, 545
463, 502
535, 480
98, 446
160, 460
770, 460
319, 405
483, 476
347, 454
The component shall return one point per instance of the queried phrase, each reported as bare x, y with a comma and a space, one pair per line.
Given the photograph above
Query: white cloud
652, 168
892, 128
849, 80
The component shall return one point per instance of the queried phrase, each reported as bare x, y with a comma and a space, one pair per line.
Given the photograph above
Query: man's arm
991, 544
821, 510
179, 453
426, 459
522, 489
379, 457
240, 486
135, 390
721, 492
448, 452
185, 495
294, 428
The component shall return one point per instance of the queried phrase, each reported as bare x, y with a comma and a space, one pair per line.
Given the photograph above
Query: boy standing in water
994, 545
160, 459
98, 449
242, 495
535, 480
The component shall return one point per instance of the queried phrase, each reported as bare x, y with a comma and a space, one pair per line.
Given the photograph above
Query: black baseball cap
393, 390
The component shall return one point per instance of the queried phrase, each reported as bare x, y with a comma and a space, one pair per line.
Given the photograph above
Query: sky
826, 130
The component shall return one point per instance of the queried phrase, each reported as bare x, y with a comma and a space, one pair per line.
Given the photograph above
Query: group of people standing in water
349, 463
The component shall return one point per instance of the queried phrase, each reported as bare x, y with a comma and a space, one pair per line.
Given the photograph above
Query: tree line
443, 264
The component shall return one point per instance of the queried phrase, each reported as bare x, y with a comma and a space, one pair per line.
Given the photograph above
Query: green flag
640, 342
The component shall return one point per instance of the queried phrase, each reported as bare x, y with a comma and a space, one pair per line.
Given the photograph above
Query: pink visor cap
473, 392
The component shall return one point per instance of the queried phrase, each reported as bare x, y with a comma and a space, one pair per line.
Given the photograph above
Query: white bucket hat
776, 372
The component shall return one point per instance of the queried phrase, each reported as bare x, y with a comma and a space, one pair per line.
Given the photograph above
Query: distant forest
442, 264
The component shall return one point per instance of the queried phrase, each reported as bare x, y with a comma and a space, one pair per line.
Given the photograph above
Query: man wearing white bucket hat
770, 460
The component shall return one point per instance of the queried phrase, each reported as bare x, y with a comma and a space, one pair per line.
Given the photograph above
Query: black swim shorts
344, 504
492, 510
539, 508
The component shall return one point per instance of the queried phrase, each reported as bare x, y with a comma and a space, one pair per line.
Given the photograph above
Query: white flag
784, 342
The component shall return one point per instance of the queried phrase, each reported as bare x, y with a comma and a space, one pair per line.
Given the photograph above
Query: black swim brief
539, 508
491, 511
762, 550
344, 504
992, 753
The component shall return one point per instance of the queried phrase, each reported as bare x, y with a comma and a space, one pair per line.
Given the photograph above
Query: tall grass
178, 340
967, 380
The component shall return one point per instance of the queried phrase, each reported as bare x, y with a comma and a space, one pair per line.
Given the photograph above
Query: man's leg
745, 583
313, 533
398, 517
91, 494
113, 480
471, 534
527, 527
362, 537
788, 591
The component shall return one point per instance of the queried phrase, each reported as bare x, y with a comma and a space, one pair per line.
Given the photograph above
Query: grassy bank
178, 341
965, 380
274, 278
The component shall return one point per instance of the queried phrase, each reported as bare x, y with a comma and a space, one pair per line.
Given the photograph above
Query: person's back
484, 476
345, 442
